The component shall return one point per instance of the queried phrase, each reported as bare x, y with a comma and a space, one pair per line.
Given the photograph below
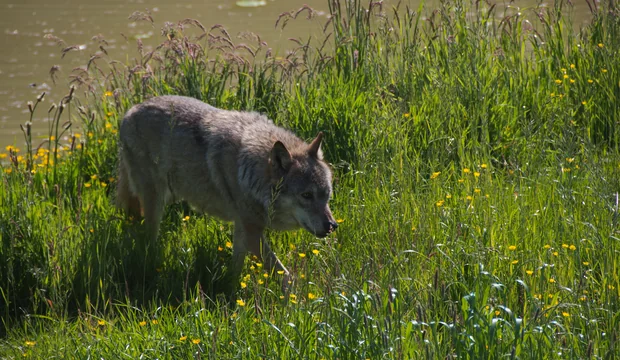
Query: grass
477, 170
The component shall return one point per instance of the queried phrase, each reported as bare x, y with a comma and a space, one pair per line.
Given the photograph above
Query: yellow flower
243, 285
547, 246
265, 275
584, 102
94, 177
586, 263
604, 70
259, 265
30, 343
466, 171
228, 244
292, 296
111, 179
260, 282
512, 247
311, 296
219, 248
552, 94
529, 272
195, 341
183, 338
240, 302
315, 252
439, 203
406, 115
590, 81
572, 66
563, 70
100, 322
154, 321
142, 323
565, 76
90, 134
469, 197
565, 246
514, 262
103, 184
108, 125
280, 272
108, 93
552, 280
52, 138
477, 191
558, 81
476, 174
555, 253
497, 312
483, 166
572, 247
572, 81
339, 221
601, 45
302, 255
565, 314
448, 196
3, 156
435, 175
247, 277
87, 185
186, 218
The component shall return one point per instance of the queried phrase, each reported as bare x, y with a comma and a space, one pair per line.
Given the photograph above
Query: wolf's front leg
252, 240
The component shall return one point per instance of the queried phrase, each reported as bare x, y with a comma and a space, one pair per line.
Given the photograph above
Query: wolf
237, 166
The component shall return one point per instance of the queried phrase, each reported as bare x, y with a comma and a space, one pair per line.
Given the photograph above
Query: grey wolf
237, 166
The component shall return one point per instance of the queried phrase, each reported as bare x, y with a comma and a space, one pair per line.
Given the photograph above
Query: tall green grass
477, 173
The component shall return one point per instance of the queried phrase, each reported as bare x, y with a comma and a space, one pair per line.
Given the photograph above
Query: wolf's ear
315, 146
280, 157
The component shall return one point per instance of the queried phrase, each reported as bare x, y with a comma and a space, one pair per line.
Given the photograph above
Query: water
27, 56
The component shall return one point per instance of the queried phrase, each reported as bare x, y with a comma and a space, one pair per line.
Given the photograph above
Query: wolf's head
305, 188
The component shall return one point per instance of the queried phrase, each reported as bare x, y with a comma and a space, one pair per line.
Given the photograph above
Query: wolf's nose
333, 225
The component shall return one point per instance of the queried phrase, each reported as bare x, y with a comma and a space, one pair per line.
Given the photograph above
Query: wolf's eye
306, 195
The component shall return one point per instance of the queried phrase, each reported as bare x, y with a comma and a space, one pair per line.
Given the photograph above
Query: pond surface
27, 56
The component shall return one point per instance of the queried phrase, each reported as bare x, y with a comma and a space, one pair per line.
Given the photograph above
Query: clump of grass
476, 161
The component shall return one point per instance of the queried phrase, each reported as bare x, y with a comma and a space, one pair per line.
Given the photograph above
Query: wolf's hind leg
125, 199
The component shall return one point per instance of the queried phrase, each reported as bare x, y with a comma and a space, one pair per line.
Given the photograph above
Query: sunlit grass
477, 173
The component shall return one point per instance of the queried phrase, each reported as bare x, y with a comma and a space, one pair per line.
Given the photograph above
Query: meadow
477, 176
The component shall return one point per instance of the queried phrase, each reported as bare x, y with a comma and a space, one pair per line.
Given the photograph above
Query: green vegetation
477, 168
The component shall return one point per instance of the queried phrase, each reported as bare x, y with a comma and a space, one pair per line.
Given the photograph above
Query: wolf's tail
125, 199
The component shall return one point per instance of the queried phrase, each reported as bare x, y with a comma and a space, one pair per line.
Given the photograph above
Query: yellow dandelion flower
100, 322
186, 218
108, 125
552, 280
435, 175
590, 81
611, 287
280, 272
572, 66
3, 156
292, 246
555, 253
260, 282
439, 203
265, 275
111, 179
303, 276
183, 338
547, 246
315, 251
240, 302
219, 248
572, 81
563, 70
529, 272
108, 94
565, 76
339, 221
247, 277
259, 265
103, 184
302, 255
584, 102
603, 70
195, 341
497, 312
252, 267
87, 185
52, 138
572, 247
229, 244
406, 115
154, 321
514, 262
586, 263
466, 171
601, 45
311, 296
30, 343
476, 174
583, 298
483, 166
142, 323
477, 191
565, 246
512, 247
90, 134
469, 197
558, 81
243, 285
448, 196
565, 314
